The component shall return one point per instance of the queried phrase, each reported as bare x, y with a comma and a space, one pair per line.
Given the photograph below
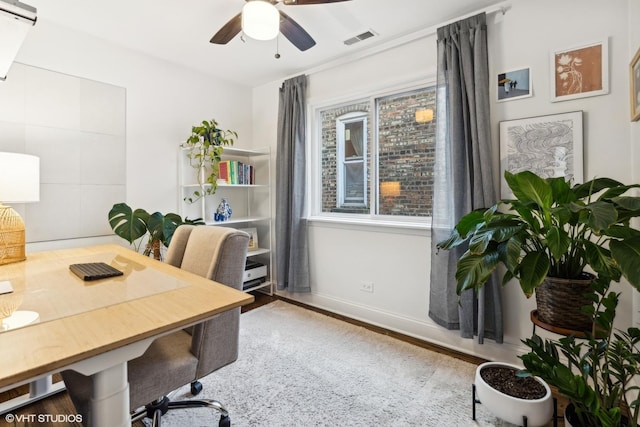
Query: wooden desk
96, 327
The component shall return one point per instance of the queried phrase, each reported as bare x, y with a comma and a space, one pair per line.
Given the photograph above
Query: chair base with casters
155, 410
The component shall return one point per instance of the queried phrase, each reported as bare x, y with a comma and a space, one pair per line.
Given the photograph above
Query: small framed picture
580, 71
253, 237
514, 84
634, 70
549, 146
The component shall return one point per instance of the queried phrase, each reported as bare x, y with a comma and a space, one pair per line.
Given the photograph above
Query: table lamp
19, 183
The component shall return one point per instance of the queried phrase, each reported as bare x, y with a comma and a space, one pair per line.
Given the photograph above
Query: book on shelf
223, 171
237, 173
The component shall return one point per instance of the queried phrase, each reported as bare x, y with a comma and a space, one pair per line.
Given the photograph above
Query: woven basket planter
560, 302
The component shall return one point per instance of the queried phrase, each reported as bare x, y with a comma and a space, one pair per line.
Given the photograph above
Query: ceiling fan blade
228, 30
295, 33
305, 2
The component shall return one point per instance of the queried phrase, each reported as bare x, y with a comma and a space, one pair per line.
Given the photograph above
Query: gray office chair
183, 357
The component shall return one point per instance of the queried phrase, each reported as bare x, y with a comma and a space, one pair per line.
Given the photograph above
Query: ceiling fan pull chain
277, 55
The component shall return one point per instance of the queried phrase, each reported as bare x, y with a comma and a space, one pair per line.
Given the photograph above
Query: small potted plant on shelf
595, 374
546, 237
132, 225
204, 149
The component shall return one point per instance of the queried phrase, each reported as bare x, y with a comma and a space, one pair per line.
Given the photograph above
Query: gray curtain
463, 175
292, 258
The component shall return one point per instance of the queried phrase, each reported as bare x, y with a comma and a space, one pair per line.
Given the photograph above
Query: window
352, 160
377, 155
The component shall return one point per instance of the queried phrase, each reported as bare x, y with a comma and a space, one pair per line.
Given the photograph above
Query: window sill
382, 225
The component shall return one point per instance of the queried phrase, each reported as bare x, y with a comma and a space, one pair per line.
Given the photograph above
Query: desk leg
110, 402
38, 389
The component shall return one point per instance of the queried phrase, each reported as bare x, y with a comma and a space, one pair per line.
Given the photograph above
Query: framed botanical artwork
549, 146
514, 84
634, 72
580, 71
253, 238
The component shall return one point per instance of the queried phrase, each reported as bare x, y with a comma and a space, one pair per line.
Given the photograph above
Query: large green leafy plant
595, 373
133, 225
550, 229
204, 150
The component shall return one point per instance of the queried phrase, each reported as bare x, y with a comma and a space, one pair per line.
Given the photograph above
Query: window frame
341, 123
314, 161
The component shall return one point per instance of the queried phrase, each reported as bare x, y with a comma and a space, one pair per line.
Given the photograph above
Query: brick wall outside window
330, 159
406, 153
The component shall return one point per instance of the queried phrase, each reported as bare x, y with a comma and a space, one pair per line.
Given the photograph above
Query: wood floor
61, 404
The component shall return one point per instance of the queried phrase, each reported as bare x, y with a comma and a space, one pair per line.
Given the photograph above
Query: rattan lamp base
12, 236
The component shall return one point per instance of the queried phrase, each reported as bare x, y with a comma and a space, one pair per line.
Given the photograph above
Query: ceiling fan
287, 26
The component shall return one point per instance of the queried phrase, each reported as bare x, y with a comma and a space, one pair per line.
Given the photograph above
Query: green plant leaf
621, 232
498, 230
510, 252
601, 215
171, 222
474, 270
627, 256
594, 186
558, 241
599, 258
470, 222
532, 272
629, 203
126, 223
527, 186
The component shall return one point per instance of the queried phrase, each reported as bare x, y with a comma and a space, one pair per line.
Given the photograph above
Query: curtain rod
501, 7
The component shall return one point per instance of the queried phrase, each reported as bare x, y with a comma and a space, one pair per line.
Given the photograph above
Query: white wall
163, 101
397, 261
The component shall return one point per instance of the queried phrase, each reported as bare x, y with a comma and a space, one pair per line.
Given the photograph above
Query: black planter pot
571, 418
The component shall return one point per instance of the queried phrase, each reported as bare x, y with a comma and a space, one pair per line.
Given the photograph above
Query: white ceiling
179, 31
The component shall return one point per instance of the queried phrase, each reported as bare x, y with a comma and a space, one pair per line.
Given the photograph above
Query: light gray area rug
300, 368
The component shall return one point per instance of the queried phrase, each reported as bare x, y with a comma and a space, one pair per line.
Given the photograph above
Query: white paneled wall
76, 127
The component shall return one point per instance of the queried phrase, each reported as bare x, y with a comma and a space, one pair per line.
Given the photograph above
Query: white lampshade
260, 20
19, 178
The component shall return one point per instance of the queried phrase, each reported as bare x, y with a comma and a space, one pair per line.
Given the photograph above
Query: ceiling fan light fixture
260, 20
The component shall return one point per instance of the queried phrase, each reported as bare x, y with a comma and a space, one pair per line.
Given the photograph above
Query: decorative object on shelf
223, 213
253, 239
595, 374
580, 71
133, 225
515, 399
549, 146
634, 74
551, 229
204, 148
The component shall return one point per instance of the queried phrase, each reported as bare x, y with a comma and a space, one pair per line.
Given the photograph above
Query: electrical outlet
366, 287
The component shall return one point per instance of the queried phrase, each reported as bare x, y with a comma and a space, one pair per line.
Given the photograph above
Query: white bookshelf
250, 204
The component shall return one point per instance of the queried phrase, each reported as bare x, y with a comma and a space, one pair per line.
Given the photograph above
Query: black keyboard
94, 270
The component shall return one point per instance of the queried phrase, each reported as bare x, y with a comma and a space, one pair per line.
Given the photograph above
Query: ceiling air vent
367, 34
